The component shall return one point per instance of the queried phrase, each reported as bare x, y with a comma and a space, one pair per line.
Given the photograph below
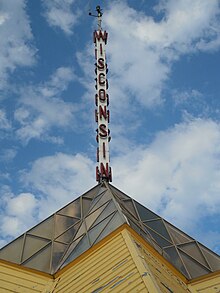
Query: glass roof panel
92, 192
192, 250
109, 209
149, 240
134, 226
82, 246
159, 227
62, 223
58, 251
128, 204
45, 229
68, 236
94, 232
86, 203
193, 267
41, 260
102, 189
115, 222
12, 252
177, 235
98, 196
72, 210
100, 200
212, 258
32, 245
127, 214
119, 193
69, 250
159, 240
144, 213
173, 257
81, 231
89, 220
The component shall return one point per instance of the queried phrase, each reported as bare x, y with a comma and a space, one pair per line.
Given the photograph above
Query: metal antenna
98, 15
99, 12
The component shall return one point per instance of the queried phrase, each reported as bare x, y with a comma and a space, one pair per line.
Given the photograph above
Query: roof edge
26, 269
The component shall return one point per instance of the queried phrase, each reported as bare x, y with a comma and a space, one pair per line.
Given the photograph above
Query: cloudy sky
163, 58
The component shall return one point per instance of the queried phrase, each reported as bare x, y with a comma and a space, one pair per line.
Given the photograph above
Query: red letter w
97, 35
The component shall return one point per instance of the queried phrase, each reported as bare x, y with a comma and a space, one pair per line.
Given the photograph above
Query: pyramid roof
72, 230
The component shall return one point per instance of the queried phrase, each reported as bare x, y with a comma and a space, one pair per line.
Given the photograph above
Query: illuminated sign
102, 115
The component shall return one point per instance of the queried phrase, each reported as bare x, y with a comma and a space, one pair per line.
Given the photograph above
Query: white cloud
193, 103
21, 205
59, 179
59, 81
4, 122
19, 212
7, 154
142, 50
16, 36
186, 24
59, 13
186, 97
3, 242
178, 175
42, 108
4, 176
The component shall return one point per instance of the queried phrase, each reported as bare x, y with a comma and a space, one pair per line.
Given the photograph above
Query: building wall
17, 279
109, 268
210, 285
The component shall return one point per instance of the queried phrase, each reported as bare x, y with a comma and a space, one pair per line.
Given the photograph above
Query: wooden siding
166, 279
16, 279
211, 285
108, 269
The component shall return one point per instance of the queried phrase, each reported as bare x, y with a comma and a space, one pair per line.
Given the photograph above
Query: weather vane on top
99, 15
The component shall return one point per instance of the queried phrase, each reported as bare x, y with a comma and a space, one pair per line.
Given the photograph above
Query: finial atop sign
99, 16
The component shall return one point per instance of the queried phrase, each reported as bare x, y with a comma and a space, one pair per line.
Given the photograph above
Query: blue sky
163, 59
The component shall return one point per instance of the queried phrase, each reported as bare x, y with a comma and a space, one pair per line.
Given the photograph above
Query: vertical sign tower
102, 115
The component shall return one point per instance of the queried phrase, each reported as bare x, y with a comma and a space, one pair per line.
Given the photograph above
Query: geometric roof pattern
62, 237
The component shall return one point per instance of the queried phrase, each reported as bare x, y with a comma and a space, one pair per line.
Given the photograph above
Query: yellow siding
166, 279
109, 268
15, 279
211, 285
